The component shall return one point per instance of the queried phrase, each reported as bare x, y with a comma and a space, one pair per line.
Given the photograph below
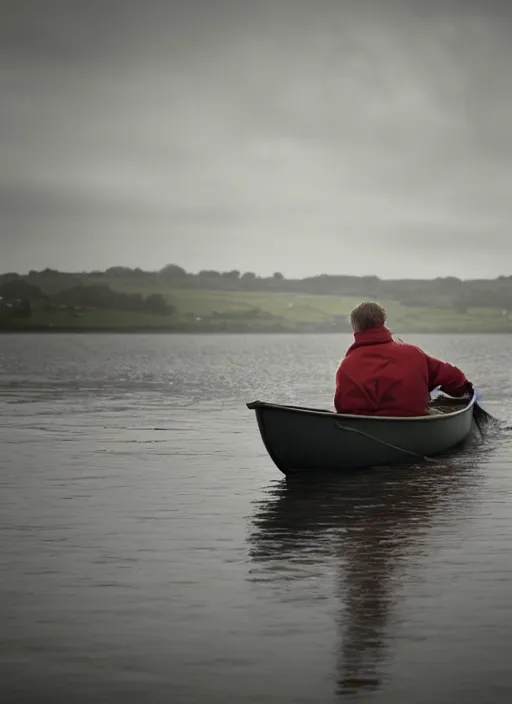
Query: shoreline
164, 331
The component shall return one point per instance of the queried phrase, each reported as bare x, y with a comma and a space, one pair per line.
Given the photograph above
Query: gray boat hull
301, 439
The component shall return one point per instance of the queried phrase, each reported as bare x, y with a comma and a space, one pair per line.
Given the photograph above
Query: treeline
440, 292
18, 296
98, 297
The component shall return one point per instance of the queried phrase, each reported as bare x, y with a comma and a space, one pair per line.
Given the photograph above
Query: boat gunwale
256, 405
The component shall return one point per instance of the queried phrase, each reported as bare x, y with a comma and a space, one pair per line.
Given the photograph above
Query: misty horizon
348, 137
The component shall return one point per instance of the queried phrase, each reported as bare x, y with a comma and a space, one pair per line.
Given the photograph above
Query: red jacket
379, 376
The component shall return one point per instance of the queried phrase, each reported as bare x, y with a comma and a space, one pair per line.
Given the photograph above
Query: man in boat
379, 376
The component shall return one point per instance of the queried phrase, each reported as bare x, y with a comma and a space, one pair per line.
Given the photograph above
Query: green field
291, 308
210, 311
296, 309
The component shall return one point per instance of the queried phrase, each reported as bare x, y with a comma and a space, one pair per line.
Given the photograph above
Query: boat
302, 439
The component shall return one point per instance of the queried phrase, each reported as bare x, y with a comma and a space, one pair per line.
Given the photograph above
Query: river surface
151, 552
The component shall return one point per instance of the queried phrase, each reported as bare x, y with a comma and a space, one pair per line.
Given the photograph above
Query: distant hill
174, 300
448, 292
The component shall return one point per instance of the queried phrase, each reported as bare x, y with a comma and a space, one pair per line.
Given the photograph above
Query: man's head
367, 315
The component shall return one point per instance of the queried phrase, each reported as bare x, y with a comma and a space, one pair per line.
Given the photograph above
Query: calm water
151, 552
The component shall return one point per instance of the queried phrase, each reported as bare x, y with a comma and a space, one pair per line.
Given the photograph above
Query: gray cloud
358, 137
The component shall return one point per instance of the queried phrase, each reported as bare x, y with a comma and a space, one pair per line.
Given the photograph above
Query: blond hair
367, 315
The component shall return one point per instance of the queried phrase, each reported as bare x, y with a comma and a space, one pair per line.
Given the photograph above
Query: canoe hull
299, 440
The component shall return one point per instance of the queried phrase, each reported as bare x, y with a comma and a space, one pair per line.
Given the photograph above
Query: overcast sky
318, 136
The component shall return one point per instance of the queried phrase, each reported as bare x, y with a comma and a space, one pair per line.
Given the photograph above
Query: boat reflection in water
372, 527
